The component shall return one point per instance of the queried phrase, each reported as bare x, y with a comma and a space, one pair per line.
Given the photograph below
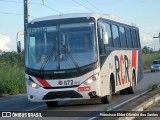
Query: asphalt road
20, 102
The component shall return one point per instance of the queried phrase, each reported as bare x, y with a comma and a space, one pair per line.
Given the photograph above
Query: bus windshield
60, 47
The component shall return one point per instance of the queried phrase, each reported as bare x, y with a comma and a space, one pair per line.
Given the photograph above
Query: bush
12, 75
12, 80
148, 59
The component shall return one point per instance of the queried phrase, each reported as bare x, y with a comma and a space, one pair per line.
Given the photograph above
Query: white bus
81, 56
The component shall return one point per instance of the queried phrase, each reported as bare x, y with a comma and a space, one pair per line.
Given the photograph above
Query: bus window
123, 37
116, 36
129, 39
134, 40
110, 39
32, 44
100, 42
138, 40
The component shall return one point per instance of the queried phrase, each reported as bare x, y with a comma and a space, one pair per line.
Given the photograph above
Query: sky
144, 13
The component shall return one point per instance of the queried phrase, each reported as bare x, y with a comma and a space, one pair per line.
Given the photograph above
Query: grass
153, 87
148, 59
12, 80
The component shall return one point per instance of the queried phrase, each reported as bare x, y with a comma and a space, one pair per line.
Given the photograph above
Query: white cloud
4, 42
147, 38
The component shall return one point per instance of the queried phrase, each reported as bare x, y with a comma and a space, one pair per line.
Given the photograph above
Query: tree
12, 59
146, 50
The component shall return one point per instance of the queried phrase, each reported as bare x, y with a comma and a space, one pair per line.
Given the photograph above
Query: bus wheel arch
107, 99
131, 89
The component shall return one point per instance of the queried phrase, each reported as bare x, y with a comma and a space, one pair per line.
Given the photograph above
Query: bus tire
131, 89
52, 103
107, 99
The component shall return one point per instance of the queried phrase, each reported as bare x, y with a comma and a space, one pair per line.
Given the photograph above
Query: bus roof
77, 15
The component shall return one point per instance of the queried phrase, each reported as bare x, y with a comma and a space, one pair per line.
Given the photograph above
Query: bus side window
116, 36
110, 39
123, 37
134, 40
138, 40
100, 41
129, 39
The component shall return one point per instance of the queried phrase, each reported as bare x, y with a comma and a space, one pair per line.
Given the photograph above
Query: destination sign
43, 29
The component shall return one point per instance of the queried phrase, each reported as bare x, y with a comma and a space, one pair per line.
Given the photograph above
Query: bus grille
61, 87
62, 94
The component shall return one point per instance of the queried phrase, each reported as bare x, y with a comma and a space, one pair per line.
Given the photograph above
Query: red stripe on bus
44, 82
134, 62
123, 77
134, 59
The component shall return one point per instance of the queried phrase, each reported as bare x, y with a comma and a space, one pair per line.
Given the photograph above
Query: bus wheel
52, 103
131, 89
107, 99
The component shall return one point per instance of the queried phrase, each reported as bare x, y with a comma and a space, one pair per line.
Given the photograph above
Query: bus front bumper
77, 93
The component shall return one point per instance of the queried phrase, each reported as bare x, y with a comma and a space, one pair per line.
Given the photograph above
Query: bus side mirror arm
105, 37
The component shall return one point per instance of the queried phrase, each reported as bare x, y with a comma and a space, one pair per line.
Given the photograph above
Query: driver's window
100, 42
32, 50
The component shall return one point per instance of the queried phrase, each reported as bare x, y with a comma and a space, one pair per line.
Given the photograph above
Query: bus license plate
68, 82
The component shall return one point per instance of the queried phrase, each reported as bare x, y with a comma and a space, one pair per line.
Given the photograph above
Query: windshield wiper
48, 58
70, 55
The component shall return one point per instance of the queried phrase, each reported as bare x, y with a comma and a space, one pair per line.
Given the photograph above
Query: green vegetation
152, 87
148, 59
12, 79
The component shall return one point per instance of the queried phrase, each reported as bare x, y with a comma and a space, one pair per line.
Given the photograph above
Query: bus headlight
33, 84
91, 79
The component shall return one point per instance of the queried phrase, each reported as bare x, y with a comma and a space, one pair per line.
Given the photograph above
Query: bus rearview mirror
18, 46
105, 35
19, 49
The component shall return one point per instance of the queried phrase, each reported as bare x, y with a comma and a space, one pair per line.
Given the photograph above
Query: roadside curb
137, 105
140, 104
